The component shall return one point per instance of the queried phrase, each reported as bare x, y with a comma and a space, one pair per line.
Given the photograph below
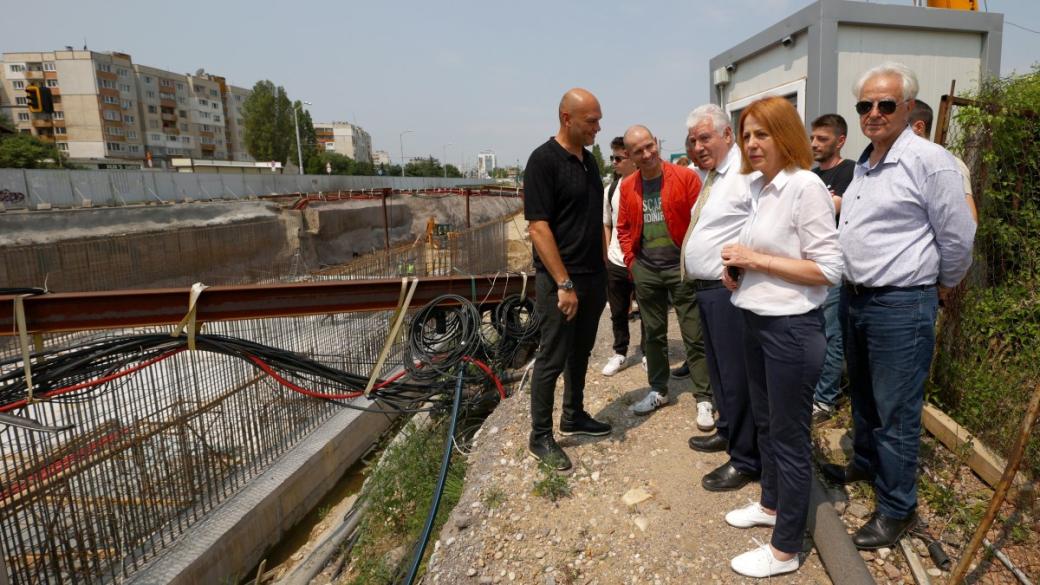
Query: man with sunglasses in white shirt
906, 233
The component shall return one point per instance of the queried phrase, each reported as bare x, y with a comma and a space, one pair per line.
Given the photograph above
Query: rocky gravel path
670, 530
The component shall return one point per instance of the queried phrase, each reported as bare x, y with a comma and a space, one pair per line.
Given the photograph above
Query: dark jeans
828, 389
784, 356
653, 288
619, 295
565, 347
889, 339
723, 327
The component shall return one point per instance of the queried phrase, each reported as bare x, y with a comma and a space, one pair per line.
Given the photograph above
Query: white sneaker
644, 363
761, 563
651, 402
614, 365
750, 515
705, 416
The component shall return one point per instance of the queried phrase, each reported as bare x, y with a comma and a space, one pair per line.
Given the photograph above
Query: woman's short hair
784, 125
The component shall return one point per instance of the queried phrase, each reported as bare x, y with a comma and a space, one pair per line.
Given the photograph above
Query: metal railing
159, 450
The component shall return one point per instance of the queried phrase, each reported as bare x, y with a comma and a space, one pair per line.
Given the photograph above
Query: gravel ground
501, 532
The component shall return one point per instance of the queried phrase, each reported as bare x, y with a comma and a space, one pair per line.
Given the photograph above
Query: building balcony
41, 123
107, 75
55, 91
167, 103
172, 130
169, 117
30, 74
48, 138
50, 74
105, 91
205, 134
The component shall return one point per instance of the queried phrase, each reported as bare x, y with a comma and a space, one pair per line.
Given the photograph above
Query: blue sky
475, 75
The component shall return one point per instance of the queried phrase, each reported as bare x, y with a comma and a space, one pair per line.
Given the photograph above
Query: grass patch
493, 497
399, 491
551, 484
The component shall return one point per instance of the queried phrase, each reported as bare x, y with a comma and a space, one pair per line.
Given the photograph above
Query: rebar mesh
159, 450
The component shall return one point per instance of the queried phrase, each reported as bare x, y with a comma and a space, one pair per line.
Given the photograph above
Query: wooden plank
984, 462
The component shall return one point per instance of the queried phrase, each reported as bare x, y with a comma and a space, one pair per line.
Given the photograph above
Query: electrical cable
443, 478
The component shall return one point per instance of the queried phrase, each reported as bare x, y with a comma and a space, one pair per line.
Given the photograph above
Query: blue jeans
829, 387
889, 338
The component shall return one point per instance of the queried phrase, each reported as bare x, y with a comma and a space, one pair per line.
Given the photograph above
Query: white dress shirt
791, 217
610, 211
722, 217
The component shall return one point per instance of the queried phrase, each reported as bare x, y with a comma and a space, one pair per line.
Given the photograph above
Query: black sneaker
584, 425
546, 450
682, 371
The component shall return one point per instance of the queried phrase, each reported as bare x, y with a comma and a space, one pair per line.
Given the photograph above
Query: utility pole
400, 138
296, 124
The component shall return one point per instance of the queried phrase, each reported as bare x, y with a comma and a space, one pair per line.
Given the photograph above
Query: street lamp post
296, 124
444, 158
400, 138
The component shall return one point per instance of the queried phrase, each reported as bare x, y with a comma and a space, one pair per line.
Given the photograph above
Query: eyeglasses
618, 159
885, 107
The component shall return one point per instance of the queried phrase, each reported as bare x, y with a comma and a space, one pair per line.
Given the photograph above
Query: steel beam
51, 313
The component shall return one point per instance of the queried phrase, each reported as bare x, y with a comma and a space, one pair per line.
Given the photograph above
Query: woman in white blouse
786, 258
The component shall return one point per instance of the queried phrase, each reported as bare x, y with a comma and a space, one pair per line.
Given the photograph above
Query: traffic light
32, 95
46, 100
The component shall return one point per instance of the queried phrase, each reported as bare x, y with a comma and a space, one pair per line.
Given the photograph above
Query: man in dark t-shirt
563, 203
827, 138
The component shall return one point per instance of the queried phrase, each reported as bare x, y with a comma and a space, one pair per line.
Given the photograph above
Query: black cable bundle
441, 333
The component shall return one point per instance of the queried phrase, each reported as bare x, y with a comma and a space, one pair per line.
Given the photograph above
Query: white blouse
791, 217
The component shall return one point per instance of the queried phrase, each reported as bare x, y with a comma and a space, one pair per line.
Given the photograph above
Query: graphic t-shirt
656, 248
837, 178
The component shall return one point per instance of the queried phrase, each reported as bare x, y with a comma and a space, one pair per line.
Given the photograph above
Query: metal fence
28, 189
161, 449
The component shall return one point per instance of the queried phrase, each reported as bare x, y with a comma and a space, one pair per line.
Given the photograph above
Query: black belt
859, 289
699, 284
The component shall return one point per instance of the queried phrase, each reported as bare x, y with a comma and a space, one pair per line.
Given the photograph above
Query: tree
453, 172
499, 173
6, 123
424, 167
267, 118
341, 164
597, 155
23, 151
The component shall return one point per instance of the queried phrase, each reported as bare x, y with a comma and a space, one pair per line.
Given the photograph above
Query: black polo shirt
568, 194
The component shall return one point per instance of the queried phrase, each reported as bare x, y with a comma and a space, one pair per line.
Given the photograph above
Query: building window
182, 113
20, 101
104, 67
153, 124
214, 105
107, 83
135, 148
110, 100
60, 130
147, 79
182, 101
113, 131
198, 88
184, 127
180, 86
216, 118
122, 72
153, 109
150, 94
186, 139
203, 102
16, 68
52, 83
58, 115
128, 119
23, 117
213, 93
114, 146
204, 115
131, 135
49, 66
63, 146
110, 115
124, 87
156, 136
127, 104
238, 98
18, 84
166, 82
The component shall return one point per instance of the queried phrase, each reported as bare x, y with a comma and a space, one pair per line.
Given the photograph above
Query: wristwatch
566, 285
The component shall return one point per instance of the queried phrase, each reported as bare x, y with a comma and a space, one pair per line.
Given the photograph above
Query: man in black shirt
563, 203
827, 138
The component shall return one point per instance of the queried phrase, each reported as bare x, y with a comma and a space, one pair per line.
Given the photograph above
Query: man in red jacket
653, 216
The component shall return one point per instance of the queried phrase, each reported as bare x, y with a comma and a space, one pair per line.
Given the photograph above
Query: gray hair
712, 112
905, 74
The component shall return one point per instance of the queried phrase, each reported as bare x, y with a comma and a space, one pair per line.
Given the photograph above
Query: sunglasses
618, 159
885, 107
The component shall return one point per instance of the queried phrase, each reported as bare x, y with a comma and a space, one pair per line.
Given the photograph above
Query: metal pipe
49, 313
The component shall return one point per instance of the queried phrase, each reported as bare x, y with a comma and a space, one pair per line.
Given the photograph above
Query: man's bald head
642, 150
579, 118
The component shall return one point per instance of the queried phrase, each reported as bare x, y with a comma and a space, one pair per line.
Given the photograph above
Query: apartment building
344, 138
486, 163
113, 113
381, 157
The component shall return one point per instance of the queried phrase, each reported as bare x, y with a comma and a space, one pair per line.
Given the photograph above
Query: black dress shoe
584, 424
725, 479
682, 371
842, 475
882, 531
547, 451
708, 443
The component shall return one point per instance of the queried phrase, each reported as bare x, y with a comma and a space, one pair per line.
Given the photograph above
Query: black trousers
784, 357
565, 347
722, 325
619, 296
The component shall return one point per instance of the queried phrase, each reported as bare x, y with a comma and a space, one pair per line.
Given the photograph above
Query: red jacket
679, 190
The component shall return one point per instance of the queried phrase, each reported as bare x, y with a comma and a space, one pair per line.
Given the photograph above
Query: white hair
905, 74
712, 112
